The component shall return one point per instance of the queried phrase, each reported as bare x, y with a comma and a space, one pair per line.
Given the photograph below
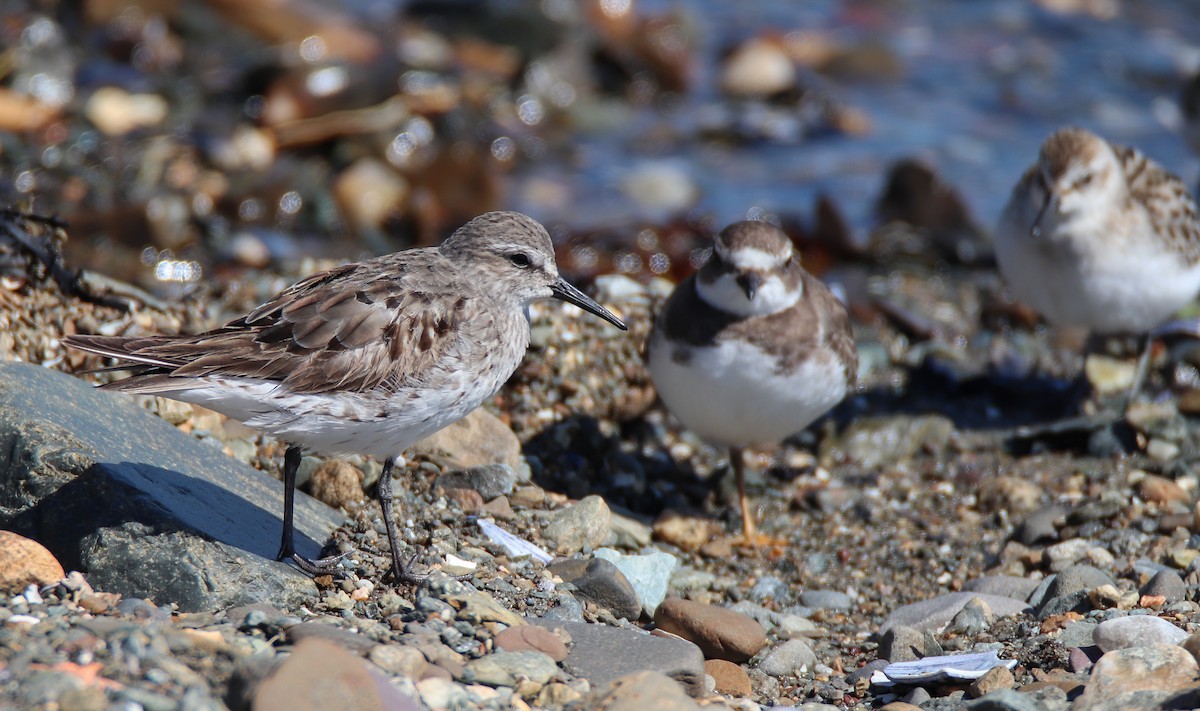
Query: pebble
641, 691
826, 600
769, 587
1017, 588
626, 532
728, 678
792, 658
601, 582
687, 533
901, 643
400, 659
936, 613
1133, 677
1005, 699
649, 574
24, 561
1161, 490
1167, 584
600, 654
720, 633
488, 480
583, 525
994, 679
505, 668
758, 68
337, 483
1061, 556
1041, 526
116, 112
439, 693
1075, 579
320, 675
478, 439
1136, 631
531, 638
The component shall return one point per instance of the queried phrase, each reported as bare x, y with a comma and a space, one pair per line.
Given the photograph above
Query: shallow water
983, 84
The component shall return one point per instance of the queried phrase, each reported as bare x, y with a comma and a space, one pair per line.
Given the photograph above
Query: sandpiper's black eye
1087, 178
519, 259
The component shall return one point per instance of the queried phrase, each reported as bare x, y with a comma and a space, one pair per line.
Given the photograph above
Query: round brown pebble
94, 604
1162, 490
720, 633
731, 679
24, 561
531, 638
337, 483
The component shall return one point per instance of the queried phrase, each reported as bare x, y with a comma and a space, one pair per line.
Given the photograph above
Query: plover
368, 357
1098, 235
752, 348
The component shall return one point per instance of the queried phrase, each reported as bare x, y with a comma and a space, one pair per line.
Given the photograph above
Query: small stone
468, 500
974, 617
1063, 555
500, 508
601, 582
1192, 645
25, 562
758, 68
1141, 673
641, 691
1136, 631
628, 533
937, 612
531, 638
601, 654
585, 524
479, 438
901, 643
369, 192
995, 679
1183, 557
1109, 375
1168, 584
649, 574
1008, 493
489, 480
687, 533
719, 632
337, 483
397, 659
1077, 578
792, 658
321, 675
505, 668
1161, 490
729, 678
826, 600
116, 112
440, 693
1005, 585
1040, 526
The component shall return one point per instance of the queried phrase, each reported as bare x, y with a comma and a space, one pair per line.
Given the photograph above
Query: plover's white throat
1100, 236
752, 348
368, 357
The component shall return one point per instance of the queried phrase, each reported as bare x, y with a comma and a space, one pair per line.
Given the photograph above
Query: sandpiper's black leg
401, 568
287, 546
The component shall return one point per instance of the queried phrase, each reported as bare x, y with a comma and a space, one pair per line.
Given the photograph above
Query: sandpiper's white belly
733, 393
374, 423
1104, 290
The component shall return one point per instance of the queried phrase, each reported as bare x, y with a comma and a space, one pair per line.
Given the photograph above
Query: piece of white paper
956, 667
513, 545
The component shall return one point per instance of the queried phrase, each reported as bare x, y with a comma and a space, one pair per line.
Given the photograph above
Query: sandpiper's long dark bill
368, 357
563, 290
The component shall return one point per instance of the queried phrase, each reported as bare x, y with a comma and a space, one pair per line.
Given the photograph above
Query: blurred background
191, 141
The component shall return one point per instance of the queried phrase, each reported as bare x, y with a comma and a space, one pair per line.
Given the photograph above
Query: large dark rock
142, 508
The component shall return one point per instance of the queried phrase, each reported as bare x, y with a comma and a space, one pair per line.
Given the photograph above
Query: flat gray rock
935, 613
602, 654
143, 509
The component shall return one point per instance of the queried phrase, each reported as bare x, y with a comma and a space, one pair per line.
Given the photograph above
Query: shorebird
1099, 236
752, 348
365, 358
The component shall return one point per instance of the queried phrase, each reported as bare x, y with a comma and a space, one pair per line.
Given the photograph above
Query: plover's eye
1087, 178
519, 259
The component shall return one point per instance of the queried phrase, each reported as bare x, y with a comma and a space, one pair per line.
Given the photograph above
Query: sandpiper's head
753, 271
513, 252
1077, 172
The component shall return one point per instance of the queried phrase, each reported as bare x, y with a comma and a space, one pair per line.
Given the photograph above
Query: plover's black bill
571, 295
